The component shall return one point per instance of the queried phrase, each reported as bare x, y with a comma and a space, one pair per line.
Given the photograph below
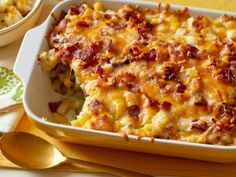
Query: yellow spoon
30, 151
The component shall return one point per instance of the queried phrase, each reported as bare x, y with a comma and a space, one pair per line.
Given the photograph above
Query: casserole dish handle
27, 55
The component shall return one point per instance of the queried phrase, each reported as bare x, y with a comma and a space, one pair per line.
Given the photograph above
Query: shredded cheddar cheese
150, 73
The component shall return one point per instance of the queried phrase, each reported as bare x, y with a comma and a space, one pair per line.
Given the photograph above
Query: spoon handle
106, 169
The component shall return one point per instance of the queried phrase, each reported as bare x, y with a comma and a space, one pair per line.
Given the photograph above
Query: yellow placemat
138, 162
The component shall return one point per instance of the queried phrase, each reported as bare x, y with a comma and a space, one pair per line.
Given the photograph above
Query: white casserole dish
38, 93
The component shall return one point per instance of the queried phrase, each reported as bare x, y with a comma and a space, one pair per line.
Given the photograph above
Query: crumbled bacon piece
180, 88
129, 77
232, 55
107, 16
221, 71
169, 73
227, 75
166, 105
197, 24
106, 82
76, 10
152, 102
133, 111
131, 14
96, 106
150, 55
134, 54
200, 125
126, 80
191, 51
88, 57
99, 70
54, 105
66, 53
82, 24
199, 100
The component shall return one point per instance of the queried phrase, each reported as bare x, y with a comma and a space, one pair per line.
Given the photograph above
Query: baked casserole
150, 73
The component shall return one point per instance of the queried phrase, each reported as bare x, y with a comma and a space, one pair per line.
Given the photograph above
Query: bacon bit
83, 24
200, 100
191, 51
88, 57
133, 111
67, 52
232, 56
76, 10
221, 71
100, 71
96, 106
152, 102
150, 55
225, 75
166, 105
53, 106
144, 31
129, 77
134, 54
107, 16
126, 79
132, 14
145, 27
197, 25
97, 46
228, 75
169, 73
180, 88
200, 125
200, 17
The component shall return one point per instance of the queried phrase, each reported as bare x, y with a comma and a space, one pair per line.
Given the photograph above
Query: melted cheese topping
150, 73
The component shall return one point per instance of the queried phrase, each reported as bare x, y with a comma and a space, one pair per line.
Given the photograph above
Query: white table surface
7, 58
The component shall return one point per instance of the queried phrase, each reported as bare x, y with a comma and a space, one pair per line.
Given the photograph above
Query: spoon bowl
30, 151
